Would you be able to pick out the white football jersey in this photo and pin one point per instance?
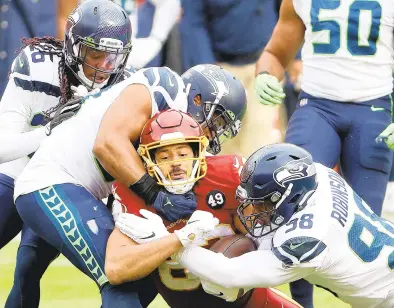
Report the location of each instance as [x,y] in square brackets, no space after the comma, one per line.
[66,156]
[348,48]
[343,246]
[33,87]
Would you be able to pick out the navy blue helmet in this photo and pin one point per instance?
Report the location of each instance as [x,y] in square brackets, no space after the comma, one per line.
[276,181]
[217,100]
[97,42]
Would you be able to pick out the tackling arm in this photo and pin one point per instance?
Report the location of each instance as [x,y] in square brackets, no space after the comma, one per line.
[121,125]
[259,268]
[126,260]
[284,44]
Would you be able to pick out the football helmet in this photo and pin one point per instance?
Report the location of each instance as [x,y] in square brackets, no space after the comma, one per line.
[217,100]
[276,181]
[97,37]
[167,128]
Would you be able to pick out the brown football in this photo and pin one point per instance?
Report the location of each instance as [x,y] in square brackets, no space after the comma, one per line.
[234,245]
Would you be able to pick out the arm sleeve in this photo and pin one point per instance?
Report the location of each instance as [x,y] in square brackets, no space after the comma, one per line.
[259,268]
[15,113]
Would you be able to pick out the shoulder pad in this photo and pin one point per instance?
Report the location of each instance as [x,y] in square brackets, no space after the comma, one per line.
[298,250]
[35,70]
[21,64]
[168,88]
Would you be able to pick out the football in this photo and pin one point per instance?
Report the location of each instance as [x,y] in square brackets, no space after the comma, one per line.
[234,245]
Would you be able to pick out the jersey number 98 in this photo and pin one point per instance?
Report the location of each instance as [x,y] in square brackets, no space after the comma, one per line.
[368,240]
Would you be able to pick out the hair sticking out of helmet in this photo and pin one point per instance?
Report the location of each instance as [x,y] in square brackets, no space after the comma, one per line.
[217,100]
[276,182]
[173,147]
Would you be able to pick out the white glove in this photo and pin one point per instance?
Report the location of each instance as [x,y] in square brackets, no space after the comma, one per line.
[144,229]
[229,295]
[198,227]
[268,89]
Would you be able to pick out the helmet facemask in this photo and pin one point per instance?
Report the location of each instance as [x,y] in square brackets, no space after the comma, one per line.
[220,125]
[260,216]
[178,175]
[101,61]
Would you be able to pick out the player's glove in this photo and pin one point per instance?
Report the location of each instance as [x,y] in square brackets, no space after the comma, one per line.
[228,294]
[198,228]
[268,89]
[68,110]
[144,229]
[175,207]
[387,136]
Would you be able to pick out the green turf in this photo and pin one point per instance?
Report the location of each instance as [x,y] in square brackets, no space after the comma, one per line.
[63,286]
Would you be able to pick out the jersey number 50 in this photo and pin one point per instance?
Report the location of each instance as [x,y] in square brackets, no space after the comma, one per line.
[354,45]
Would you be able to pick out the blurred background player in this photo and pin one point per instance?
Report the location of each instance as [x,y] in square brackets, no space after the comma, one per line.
[233,36]
[173,148]
[315,226]
[20,19]
[93,55]
[345,100]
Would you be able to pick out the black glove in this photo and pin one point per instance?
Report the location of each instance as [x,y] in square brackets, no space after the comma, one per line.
[68,110]
[175,207]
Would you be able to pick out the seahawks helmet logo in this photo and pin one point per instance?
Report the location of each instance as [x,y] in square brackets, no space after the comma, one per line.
[294,170]
[216,78]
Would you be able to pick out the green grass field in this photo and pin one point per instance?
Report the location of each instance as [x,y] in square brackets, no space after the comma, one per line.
[63,286]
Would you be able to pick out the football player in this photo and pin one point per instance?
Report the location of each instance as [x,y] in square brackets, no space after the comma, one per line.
[92,56]
[346,88]
[317,228]
[172,146]
[78,163]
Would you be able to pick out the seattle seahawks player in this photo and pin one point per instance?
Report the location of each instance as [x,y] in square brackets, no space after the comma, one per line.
[58,194]
[93,56]
[311,225]
[217,100]
[346,89]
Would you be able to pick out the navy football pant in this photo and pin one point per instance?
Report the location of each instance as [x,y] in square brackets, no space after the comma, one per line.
[78,225]
[346,132]
[10,222]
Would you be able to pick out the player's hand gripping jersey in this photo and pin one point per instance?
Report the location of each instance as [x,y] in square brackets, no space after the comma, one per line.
[215,193]
[348,49]
[66,156]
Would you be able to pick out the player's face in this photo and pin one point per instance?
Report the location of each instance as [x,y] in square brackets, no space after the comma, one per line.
[219,123]
[95,59]
[260,211]
[175,161]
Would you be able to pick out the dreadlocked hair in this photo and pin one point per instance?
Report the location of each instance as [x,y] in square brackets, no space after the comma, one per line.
[53,46]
